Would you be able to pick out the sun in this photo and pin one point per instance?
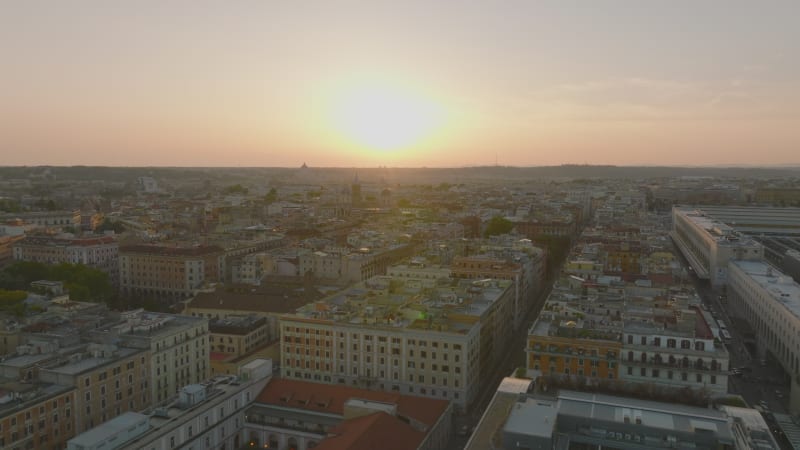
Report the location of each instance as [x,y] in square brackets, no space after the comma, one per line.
[385,118]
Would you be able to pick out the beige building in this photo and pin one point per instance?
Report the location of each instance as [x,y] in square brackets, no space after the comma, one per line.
[394,334]
[178,345]
[99,252]
[108,381]
[770,302]
[36,415]
[168,272]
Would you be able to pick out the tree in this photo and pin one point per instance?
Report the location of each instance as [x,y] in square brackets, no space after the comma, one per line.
[498,225]
[271,196]
[236,189]
[9,205]
[83,282]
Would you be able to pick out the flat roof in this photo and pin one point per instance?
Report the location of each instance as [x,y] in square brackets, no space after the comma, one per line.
[752,219]
[667,416]
[532,417]
[722,233]
[781,288]
[90,363]
[109,428]
[453,306]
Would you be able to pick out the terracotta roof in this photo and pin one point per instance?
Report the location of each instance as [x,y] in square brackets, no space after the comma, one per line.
[375,431]
[330,398]
[163,250]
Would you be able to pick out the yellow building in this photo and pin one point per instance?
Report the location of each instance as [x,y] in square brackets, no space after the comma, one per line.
[564,350]
[108,381]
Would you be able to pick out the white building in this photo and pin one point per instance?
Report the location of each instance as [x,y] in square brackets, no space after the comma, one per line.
[770,302]
[709,244]
[391,334]
[179,346]
[209,415]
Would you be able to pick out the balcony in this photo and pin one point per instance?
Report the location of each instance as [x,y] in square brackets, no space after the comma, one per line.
[676,364]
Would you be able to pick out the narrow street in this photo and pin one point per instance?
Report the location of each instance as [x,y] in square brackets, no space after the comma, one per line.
[515,357]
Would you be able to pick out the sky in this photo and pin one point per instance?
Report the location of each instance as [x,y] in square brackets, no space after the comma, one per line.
[399,83]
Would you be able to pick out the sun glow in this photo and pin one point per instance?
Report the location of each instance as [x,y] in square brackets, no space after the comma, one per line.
[385,118]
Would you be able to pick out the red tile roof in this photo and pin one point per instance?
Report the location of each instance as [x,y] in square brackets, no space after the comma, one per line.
[218,356]
[330,398]
[375,431]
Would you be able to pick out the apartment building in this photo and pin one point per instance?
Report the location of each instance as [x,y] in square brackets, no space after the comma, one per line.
[770,302]
[207,415]
[395,335]
[486,267]
[178,346]
[36,415]
[572,339]
[235,340]
[351,266]
[49,219]
[168,272]
[668,343]
[99,252]
[108,381]
[657,339]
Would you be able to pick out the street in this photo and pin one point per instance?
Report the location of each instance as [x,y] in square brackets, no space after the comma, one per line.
[515,357]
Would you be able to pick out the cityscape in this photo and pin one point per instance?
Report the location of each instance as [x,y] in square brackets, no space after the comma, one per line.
[458,308]
[410,225]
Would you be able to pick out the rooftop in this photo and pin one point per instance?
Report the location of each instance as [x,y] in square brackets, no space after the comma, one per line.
[109,429]
[90,363]
[451,306]
[782,288]
[372,432]
[24,395]
[328,398]
[273,299]
[162,250]
[666,416]
[722,233]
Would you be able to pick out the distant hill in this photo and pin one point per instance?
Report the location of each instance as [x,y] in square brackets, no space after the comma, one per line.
[395,175]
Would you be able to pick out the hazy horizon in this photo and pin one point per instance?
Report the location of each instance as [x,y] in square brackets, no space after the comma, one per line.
[403,85]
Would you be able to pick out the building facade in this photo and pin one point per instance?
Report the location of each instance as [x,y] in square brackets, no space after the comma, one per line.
[708,244]
[770,302]
[387,336]
[178,346]
[172,273]
[99,252]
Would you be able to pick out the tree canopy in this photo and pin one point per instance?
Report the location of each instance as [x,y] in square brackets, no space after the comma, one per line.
[498,225]
[84,283]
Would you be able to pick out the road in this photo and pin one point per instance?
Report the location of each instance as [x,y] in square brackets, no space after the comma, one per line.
[515,357]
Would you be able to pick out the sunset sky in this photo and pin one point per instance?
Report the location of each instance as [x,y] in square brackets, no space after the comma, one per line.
[400,83]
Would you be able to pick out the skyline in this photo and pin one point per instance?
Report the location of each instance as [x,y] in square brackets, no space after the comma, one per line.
[207,85]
